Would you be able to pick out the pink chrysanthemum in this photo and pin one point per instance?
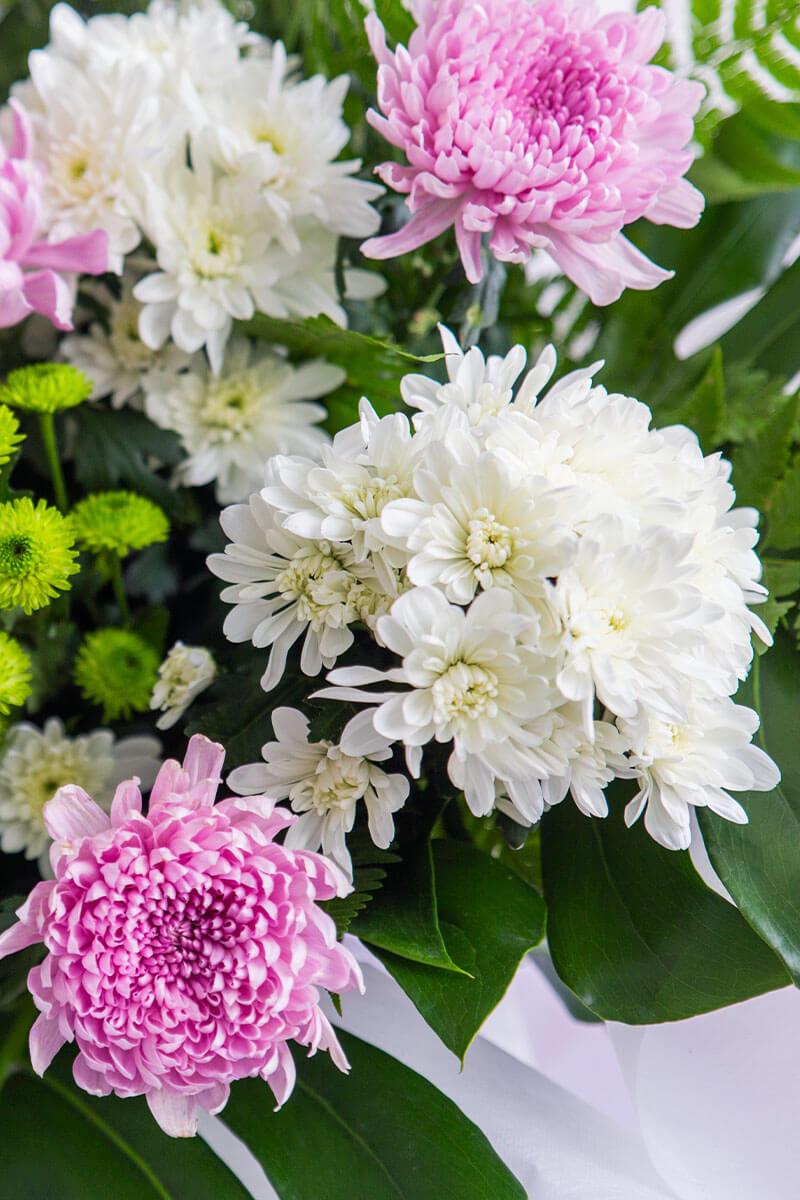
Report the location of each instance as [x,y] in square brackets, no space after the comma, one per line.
[186,947]
[31,268]
[536,125]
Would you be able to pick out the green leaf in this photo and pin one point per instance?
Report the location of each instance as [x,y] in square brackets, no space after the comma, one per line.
[759,863]
[471,890]
[396,20]
[369,873]
[781,576]
[14,969]
[374,368]
[124,449]
[758,465]
[236,711]
[59,1141]
[704,411]
[381,1133]
[767,335]
[403,917]
[634,931]
[783,521]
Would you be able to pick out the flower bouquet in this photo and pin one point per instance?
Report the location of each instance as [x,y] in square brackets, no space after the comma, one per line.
[399,580]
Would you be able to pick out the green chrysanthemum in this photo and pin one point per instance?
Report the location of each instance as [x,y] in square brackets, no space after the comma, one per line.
[15,675]
[10,436]
[119,522]
[36,554]
[116,669]
[45,387]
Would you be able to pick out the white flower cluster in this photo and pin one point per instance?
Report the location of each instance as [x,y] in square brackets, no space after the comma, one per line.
[183,675]
[180,129]
[565,592]
[35,763]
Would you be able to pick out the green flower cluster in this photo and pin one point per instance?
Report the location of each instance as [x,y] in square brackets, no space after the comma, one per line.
[37,554]
[118,522]
[116,669]
[45,388]
[15,674]
[10,436]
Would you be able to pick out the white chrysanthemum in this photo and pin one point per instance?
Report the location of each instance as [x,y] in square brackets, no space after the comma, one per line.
[342,497]
[284,587]
[633,620]
[231,423]
[183,675]
[472,525]
[287,134]
[191,49]
[113,355]
[96,134]
[472,678]
[480,388]
[325,785]
[694,763]
[35,763]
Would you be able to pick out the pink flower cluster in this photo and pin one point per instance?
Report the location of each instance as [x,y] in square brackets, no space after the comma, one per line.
[536,125]
[31,268]
[186,948]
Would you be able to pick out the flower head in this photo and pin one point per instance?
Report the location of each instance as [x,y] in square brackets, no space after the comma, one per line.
[231,423]
[15,674]
[204,990]
[36,554]
[116,669]
[536,125]
[33,259]
[325,785]
[45,387]
[183,675]
[118,522]
[10,436]
[35,763]
[694,763]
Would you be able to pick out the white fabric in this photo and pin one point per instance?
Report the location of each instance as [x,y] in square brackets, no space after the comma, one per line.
[696,1110]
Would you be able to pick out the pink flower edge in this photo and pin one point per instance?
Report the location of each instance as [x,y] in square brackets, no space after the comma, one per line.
[536,126]
[186,948]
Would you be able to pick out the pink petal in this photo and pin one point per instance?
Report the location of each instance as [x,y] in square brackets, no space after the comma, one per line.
[72,814]
[425,225]
[48,294]
[604,269]
[127,802]
[28,929]
[45,1042]
[87,253]
[175,1112]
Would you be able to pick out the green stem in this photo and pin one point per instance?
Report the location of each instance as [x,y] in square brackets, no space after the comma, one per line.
[115,571]
[48,430]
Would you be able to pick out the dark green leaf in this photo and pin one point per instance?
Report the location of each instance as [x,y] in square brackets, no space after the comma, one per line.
[403,917]
[98,1147]
[382,1133]
[236,711]
[369,873]
[704,411]
[374,368]
[635,932]
[124,449]
[767,336]
[396,20]
[14,969]
[759,464]
[783,522]
[471,890]
[759,863]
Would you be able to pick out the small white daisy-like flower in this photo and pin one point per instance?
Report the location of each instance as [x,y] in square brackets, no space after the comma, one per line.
[183,675]
[342,497]
[325,786]
[472,525]
[472,678]
[284,587]
[231,423]
[35,763]
[694,763]
[112,355]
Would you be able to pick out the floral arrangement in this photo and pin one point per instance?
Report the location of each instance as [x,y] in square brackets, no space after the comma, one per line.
[507,536]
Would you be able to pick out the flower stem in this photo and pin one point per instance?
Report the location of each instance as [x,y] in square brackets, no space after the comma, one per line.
[48,430]
[115,571]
